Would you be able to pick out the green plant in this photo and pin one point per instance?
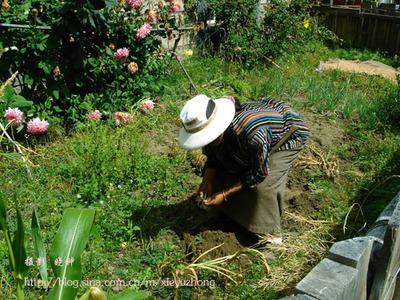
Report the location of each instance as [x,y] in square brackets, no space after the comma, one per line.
[76,57]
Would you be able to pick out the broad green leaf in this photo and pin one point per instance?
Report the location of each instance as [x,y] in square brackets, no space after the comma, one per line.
[38,245]
[68,245]
[28,80]
[19,101]
[95,232]
[8,93]
[18,246]
[111,3]
[56,94]
[3,215]
[129,294]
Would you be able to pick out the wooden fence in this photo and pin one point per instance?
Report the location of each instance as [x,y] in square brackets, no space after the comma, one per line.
[364,26]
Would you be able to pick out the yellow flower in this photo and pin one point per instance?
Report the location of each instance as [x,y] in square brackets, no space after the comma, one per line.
[123,245]
[306,23]
[188,53]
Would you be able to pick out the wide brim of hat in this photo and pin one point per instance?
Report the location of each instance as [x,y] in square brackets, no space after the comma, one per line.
[224,116]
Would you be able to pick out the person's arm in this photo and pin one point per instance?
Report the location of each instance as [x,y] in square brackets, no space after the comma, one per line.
[205,188]
[224,195]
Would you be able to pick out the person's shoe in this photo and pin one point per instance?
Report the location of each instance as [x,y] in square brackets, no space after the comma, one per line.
[270,238]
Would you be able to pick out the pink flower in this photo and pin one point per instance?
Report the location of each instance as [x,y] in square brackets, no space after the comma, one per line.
[289,37]
[157,99]
[121,53]
[134,3]
[143,31]
[151,16]
[291,23]
[175,6]
[122,117]
[146,106]
[238,49]
[37,126]
[15,116]
[133,67]
[231,98]
[94,115]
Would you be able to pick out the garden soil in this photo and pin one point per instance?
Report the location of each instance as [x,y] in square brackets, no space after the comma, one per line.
[369,67]
[201,230]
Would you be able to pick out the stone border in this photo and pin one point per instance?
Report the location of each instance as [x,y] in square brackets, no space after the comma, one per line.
[359,268]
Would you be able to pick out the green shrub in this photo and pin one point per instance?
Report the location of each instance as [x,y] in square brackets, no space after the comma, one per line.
[76,57]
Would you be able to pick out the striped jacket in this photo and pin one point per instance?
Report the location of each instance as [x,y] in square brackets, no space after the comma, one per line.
[254,131]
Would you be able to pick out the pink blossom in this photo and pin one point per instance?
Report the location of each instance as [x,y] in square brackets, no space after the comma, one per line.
[133,67]
[291,23]
[231,98]
[94,115]
[146,106]
[134,3]
[37,126]
[289,37]
[238,49]
[151,16]
[122,117]
[15,116]
[157,99]
[121,53]
[175,6]
[143,31]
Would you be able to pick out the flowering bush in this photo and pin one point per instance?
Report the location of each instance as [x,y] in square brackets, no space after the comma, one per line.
[89,56]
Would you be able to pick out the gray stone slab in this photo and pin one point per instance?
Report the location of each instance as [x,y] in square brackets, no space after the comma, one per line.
[352,252]
[329,280]
[355,253]
[298,297]
[378,229]
[389,261]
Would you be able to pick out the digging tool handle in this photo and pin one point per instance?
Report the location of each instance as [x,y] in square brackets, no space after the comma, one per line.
[284,139]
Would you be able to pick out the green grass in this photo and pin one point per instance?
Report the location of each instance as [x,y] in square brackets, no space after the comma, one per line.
[136,176]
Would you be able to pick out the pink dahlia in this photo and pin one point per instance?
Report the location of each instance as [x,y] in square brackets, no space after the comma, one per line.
[122,118]
[94,115]
[15,116]
[134,3]
[121,53]
[146,105]
[143,31]
[133,67]
[37,126]
[175,6]
[151,16]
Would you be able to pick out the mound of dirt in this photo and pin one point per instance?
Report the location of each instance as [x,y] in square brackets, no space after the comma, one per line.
[369,67]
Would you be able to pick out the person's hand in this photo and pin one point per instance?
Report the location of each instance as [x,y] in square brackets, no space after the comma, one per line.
[215,199]
[205,189]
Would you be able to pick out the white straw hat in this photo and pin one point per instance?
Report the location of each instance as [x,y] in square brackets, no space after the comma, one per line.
[204,120]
